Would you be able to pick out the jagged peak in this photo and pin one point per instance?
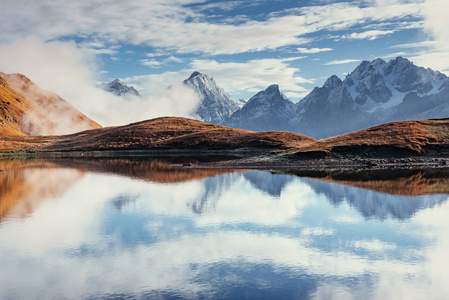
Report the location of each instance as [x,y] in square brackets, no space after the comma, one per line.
[332,82]
[378,61]
[116,81]
[195,74]
[401,60]
[272,88]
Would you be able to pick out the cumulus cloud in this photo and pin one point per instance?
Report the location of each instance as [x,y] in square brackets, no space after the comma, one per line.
[66,69]
[436,24]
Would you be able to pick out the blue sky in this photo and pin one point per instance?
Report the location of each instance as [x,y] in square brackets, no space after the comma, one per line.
[244,45]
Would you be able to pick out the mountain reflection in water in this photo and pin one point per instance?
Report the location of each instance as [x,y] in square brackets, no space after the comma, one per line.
[143,228]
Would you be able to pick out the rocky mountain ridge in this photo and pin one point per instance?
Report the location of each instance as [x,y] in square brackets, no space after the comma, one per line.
[215,104]
[375,92]
[118,88]
[267,110]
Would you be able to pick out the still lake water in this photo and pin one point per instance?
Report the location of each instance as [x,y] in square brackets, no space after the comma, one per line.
[142,229]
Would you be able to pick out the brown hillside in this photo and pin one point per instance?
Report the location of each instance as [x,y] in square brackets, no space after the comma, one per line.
[404,138]
[26,109]
[168,133]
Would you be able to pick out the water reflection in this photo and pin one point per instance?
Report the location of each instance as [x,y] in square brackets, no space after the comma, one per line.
[23,185]
[144,229]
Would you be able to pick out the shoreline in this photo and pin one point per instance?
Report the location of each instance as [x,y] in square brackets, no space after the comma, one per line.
[244,159]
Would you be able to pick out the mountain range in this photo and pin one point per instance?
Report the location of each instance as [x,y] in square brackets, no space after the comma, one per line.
[375,92]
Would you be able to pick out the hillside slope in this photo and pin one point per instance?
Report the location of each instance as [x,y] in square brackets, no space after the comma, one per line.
[26,109]
[395,139]
[167,133]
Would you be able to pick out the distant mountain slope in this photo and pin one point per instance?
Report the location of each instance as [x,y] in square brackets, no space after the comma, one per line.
[375,92]
[26,109]
[118,88]
[267,110]
[215,103]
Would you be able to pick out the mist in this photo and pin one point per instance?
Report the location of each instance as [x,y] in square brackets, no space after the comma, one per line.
[72,73]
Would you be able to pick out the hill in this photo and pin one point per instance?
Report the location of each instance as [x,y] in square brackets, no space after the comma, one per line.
[167,133]
[26,109]
[403,143]
[394,139]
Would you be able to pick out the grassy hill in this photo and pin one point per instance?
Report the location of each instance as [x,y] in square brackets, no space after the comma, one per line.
[395,139]
[167,133]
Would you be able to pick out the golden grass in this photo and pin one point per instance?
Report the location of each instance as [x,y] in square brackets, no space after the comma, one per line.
[167,133]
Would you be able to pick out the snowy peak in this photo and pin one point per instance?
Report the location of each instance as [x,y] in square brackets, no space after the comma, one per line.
[375,92]
[273,89]
[267,110]
[332,82]
[118,88]
[270,96]
[194,74]
[215,103]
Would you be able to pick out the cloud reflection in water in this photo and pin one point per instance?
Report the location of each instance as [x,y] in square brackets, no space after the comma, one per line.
[229,235]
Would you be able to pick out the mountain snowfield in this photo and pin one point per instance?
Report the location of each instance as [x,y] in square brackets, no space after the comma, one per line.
[375,92]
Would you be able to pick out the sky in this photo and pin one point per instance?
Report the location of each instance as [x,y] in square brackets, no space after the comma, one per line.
[69,46]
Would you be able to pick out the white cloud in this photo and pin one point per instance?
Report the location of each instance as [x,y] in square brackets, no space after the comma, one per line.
[370,34]
[234,77]
[436,24]
[313,50]
[153,63]
[167,24]
[421,44]
[68,70]
[253,75]
[341,62]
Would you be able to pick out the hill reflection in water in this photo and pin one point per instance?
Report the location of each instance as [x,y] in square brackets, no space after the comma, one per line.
[143,228]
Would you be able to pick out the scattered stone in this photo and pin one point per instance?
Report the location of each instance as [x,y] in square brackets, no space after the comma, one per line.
[372,163]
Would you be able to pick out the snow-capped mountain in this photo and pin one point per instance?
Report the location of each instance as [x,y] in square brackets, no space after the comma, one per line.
[375,92]
[328,111]
[119,88]
[267,110]
[215,104]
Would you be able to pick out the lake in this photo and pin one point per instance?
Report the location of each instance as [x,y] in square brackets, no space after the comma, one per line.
[145,229]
